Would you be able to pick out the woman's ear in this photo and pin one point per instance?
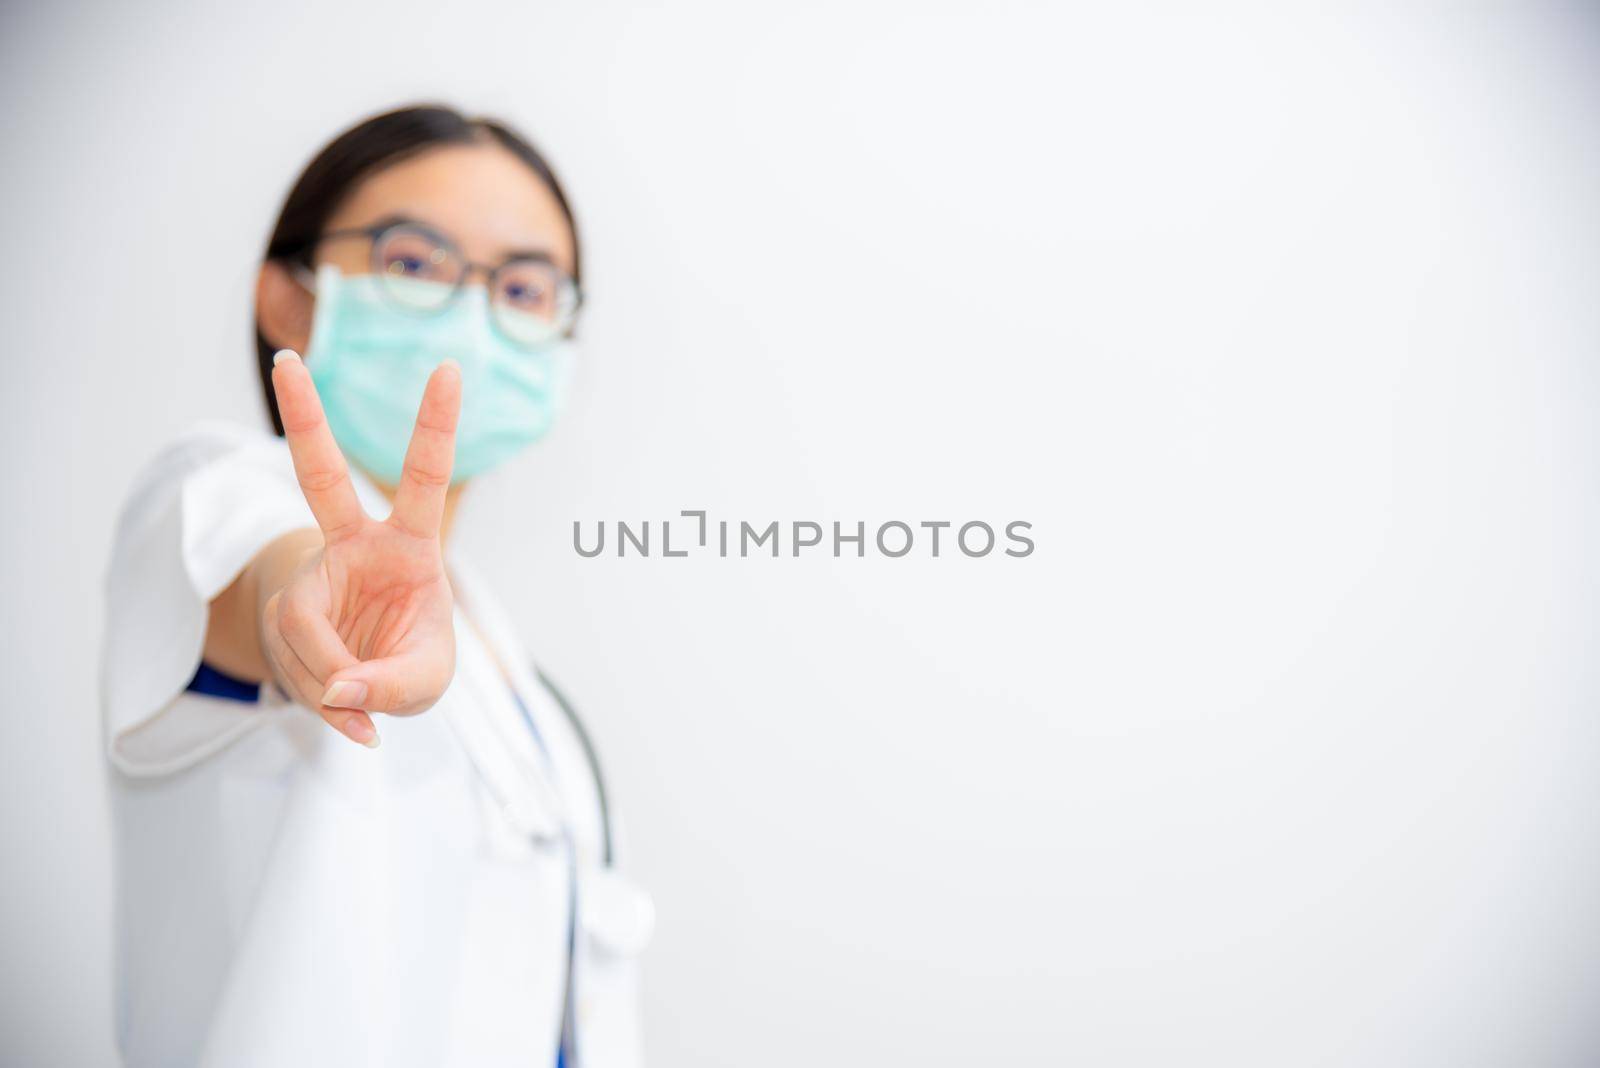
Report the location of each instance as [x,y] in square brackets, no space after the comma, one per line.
[283,308]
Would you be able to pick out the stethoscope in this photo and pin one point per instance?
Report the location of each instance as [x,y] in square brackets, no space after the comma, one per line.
[567,1053]
[589,755]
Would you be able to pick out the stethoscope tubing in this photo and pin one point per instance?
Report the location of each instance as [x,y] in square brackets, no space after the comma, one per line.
[568,1055]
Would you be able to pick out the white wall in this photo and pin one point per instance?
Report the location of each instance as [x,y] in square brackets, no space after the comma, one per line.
[1281,749]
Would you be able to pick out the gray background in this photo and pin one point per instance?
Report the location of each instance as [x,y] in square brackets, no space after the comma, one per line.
[1282,747]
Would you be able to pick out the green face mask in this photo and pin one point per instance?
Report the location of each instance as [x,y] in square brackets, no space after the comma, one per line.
[370,360]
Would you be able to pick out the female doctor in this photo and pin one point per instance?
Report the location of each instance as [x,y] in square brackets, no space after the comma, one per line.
[290,892]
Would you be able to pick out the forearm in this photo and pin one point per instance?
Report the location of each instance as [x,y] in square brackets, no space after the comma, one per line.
[233,634]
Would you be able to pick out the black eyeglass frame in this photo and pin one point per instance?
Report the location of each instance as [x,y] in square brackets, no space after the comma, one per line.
[491,272]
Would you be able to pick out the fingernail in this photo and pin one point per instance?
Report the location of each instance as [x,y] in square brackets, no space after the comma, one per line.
[346,694]
[360,730]
[450,361]
[284,354]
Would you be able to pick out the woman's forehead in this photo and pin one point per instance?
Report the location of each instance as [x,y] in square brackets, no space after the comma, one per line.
[482,196]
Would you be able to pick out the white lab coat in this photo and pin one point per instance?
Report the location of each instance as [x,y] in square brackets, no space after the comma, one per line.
[286,897]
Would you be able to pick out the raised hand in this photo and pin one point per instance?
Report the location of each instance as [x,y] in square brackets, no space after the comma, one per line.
[365,622]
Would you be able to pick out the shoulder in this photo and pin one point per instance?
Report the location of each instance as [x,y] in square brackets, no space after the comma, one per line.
[213,477]
[203,442]
[195,448]
[158,482]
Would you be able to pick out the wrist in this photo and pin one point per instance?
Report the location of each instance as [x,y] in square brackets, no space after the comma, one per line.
[275,565]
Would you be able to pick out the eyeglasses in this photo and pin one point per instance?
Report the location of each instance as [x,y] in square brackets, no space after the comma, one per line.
[531,300]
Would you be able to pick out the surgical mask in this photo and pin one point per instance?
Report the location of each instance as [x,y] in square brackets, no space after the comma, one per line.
[370,360]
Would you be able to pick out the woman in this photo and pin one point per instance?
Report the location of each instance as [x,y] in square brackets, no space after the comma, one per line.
[290,893]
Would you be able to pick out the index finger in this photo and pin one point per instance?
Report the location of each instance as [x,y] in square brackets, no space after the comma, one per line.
[318,464]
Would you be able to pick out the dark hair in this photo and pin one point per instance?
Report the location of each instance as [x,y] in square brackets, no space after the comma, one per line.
[362,150]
